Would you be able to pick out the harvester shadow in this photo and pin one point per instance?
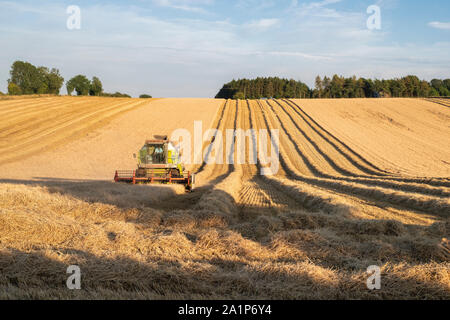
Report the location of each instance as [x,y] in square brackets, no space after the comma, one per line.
[384,240]
[34,275]
[221,275]
[189,200]
[105,192]
[158,196]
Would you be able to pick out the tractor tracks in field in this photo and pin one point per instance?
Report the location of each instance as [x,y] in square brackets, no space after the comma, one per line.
[319,173]
[302,195]
[339,146]
[23,110]
[347,151]
[209,176]
[236,189]
[218,126]
[264,193]
[11,106]
[223,192]
[396,183]
[257,195]
[227,120]
[362,188]
[40,120]
[442,101]
[55,129]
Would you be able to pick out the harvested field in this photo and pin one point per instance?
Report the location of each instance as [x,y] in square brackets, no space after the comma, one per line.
[444,101]
[73,124]
[361,182]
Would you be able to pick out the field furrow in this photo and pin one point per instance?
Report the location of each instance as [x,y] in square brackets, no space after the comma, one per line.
[28,125]
[442,101]
[334,160]
[414,201]
[354,158]
[360,182]
[415,187]
[218,172]
[65,128]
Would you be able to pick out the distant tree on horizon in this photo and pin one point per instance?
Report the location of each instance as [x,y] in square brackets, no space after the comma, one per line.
[239,95]
[52,79]
[116,95]
[14,89]
[96,87]
[80,84]
[263,88]
[34,80]
[335,87]
[441,87]
[319,86]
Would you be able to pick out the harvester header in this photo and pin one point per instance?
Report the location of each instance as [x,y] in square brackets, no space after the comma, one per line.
[159,161]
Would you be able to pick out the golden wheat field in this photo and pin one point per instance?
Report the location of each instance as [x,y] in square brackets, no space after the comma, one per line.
[361,182]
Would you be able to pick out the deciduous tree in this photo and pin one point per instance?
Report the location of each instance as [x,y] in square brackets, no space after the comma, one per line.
[14,89]
[96,88]
[80,84]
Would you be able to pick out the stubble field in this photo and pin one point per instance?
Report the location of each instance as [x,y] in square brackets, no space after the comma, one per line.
[361,182]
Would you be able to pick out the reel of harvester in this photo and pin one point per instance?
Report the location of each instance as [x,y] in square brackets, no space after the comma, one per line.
[158,162]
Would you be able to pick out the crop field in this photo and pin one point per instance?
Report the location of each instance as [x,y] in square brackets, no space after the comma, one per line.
[30,126]
[361,182]
[445,101]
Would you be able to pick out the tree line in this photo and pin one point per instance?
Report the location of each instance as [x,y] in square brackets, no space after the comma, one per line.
[27,79]
[335,87]
[264,88]
[410,87]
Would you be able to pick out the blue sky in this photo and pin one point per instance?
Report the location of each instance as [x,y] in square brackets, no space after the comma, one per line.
[189,48]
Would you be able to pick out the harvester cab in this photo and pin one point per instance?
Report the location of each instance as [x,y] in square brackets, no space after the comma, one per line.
[159,161]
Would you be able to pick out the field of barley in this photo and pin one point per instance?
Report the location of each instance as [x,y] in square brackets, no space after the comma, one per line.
[361,182]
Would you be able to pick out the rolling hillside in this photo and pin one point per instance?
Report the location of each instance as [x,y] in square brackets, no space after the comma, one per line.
[361,182]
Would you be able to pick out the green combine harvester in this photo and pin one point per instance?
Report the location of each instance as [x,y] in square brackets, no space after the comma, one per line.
[159,161]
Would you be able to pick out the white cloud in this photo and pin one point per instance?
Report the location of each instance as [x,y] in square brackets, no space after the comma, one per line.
[317,9]
[14,6]
[134,50]
[255,5]
[262,23]
[184,5]
[298,54]
[440,25]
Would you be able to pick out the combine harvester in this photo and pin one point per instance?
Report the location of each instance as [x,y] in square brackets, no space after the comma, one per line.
[158,162]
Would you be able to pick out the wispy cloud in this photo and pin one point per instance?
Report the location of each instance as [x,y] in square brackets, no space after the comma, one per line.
[314,57]
[318,9]
[255,4]
[14,6]
[440,25]
[196,45]
[262,24]
[184,5]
